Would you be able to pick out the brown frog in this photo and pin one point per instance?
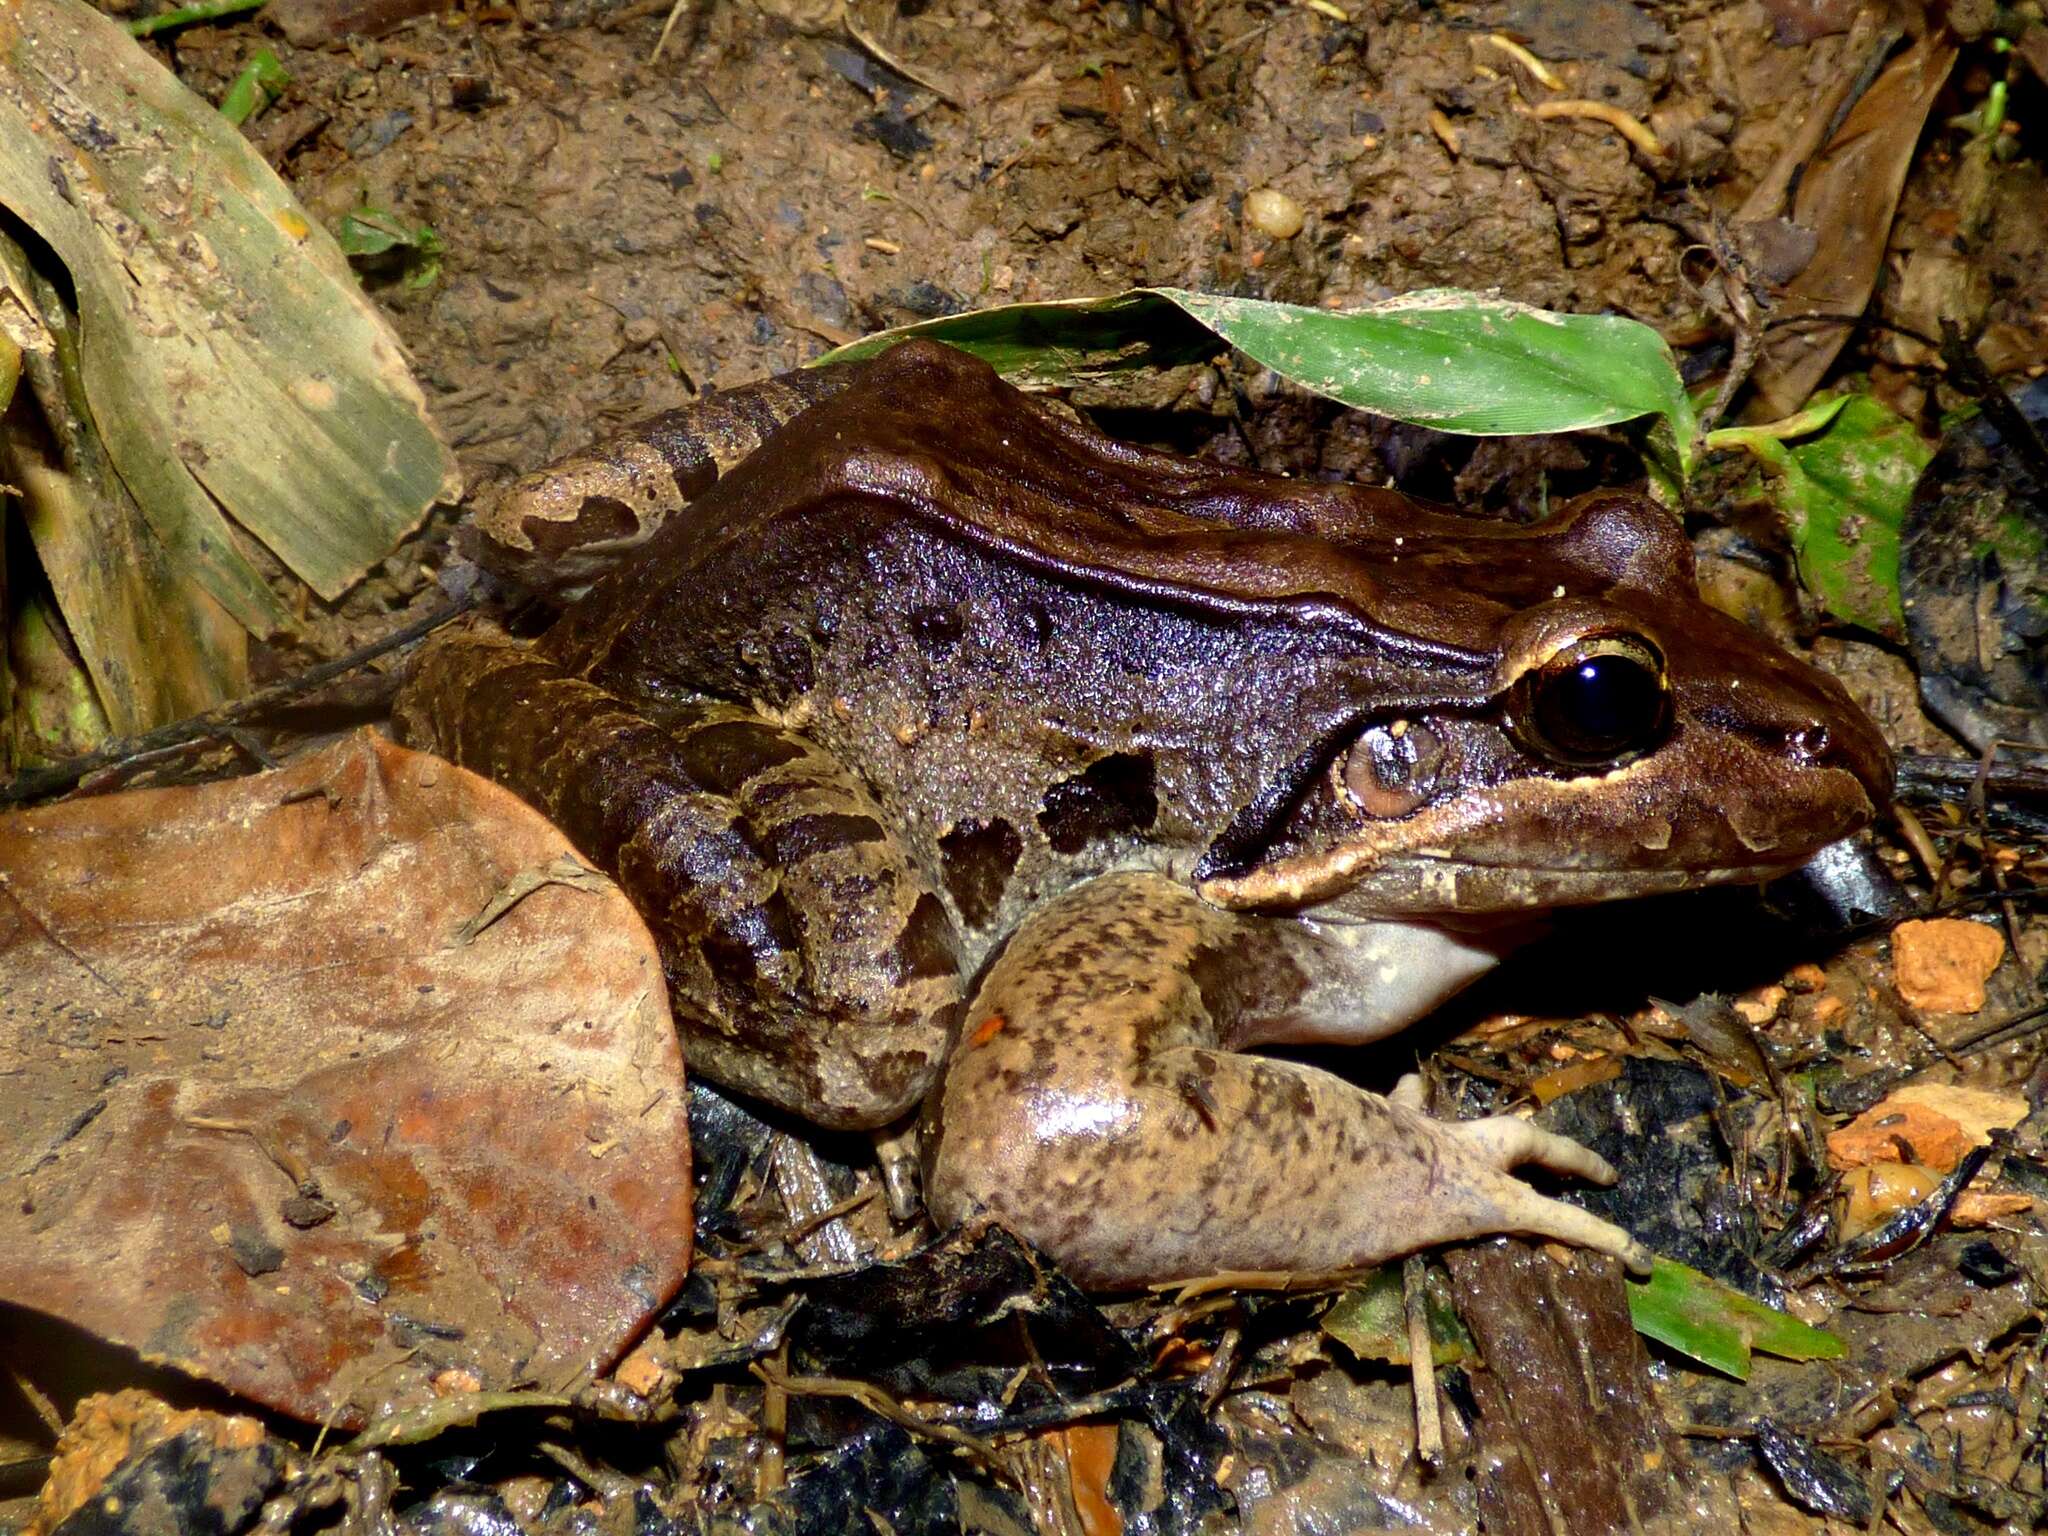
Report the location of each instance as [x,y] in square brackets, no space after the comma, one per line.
[962,757]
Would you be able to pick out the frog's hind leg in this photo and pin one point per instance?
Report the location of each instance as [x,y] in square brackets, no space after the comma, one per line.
[809,963]
[1097,1103]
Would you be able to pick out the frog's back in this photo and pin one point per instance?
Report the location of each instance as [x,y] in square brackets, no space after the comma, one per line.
[931,480]
[1057,649]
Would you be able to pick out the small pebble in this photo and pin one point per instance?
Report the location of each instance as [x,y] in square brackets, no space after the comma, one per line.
[1274,213]
[1941,964]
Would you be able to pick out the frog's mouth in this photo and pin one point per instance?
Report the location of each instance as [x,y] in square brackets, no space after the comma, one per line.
[1645,828]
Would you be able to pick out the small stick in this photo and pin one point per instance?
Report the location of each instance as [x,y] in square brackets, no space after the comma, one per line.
[186,15]
[1429,1424]
[40,783]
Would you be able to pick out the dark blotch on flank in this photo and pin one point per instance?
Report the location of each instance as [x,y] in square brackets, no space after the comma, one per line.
[807,836]
[1111,797]
[926,943]
[739,948]
[980,857]
[673,435]
[721,758]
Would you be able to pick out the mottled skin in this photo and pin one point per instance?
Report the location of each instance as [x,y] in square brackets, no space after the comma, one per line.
[1147,1145]
[946,720]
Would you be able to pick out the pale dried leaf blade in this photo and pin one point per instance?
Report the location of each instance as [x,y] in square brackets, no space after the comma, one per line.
[225,337]
[156,644]
[157,647]
[259,1118]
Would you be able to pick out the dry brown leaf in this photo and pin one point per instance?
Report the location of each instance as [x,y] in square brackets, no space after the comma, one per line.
[1847,195]
[1976,1208]
[266,1116]
[1979,1111]
[121,1451]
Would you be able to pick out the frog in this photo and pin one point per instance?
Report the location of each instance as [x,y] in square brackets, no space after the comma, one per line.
[981,773]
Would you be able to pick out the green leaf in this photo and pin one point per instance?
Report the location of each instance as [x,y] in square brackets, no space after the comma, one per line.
[1461,362]
[1844,490]
[373,230]
[1371,1320]
[261,82]
[1717,1325]
[1060,342]
[371,233]
[1458,362]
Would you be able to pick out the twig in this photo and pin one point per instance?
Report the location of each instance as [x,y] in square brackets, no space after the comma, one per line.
[186,15]
[1429,1424]
[40,783]
[882,1405]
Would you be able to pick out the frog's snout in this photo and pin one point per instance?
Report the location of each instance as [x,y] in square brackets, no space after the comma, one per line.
[1850,741]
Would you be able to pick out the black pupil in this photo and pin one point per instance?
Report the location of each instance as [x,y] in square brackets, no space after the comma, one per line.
[1600,707]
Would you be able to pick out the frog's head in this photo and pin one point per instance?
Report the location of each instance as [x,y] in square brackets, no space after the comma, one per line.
[1581,727]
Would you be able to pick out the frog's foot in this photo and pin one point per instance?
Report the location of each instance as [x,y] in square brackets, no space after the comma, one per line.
[1504,1142]
[1509,1141]
[1095,1105]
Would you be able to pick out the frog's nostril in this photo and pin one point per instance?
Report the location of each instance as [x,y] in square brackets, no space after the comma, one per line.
[1852,743]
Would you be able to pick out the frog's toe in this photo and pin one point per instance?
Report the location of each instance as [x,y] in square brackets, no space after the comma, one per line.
[1409,1093]
[1567,1223]
[1508,1141]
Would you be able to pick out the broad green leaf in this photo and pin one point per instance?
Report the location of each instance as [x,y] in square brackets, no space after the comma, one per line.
[1458,362]
[1371,1320]
[229,354]
[1060,342]
[370,232]
[1844,490]
[1717,1325]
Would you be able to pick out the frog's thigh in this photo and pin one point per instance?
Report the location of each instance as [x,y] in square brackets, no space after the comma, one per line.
[1092,1104]
[808,962]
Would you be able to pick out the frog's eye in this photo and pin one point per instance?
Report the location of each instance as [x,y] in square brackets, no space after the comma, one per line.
[1599,700]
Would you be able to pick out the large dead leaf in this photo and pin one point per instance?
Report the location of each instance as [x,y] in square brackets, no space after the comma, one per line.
[228,352]
[1847,195]
[276,1107]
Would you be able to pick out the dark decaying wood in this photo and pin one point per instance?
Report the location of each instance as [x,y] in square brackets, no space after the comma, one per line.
[1575,1438]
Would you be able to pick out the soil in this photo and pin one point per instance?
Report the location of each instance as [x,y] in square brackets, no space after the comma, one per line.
[620,232]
